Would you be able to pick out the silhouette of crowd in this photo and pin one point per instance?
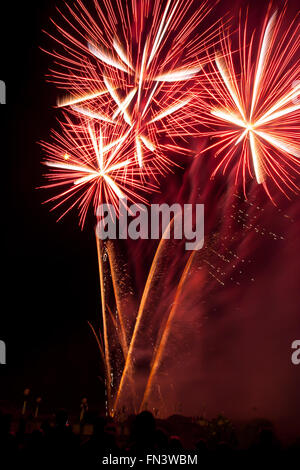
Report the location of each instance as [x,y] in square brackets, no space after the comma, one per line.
[55,442]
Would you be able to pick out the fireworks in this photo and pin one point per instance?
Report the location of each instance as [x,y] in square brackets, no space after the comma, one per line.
[255,104]
[131,61]
[94,167]
[128,68]
[132,73]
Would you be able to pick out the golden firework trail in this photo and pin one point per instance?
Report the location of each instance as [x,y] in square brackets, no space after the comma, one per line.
[160,349]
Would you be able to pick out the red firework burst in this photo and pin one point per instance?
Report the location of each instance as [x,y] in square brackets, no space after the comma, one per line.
[255,104]
[93,164]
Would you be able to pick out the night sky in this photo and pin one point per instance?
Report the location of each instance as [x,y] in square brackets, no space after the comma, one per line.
[50,275]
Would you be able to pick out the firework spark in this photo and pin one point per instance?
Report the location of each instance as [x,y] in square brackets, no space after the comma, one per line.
[92,167]
[132,61]
[255,103]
